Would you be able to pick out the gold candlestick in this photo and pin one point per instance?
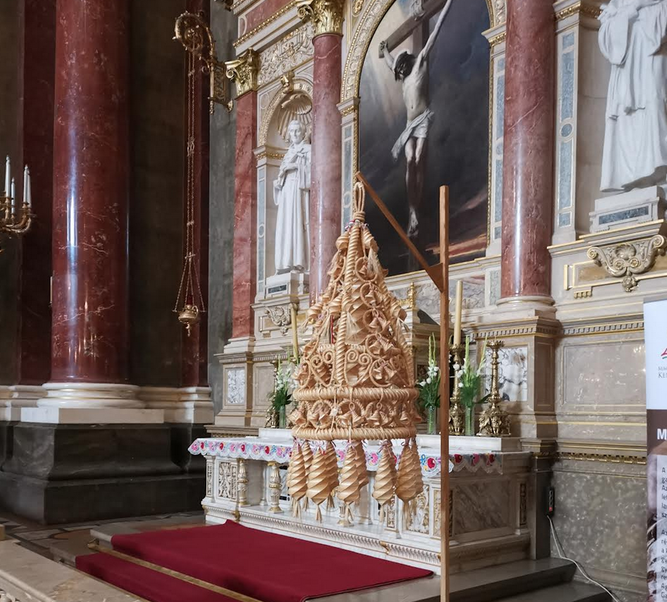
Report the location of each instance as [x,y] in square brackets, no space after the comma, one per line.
[494,421]
[456,411]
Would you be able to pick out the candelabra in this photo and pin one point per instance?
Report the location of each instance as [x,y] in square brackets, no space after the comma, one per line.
[494,421]
[456,411]
[13,219]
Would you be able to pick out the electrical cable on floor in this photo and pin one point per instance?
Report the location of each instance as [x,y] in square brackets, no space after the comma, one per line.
[562,556]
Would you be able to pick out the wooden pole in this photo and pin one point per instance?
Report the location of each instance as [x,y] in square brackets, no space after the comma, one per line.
[444,395]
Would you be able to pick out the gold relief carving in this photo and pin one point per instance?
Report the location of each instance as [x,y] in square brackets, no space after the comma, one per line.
[625,260]
[326,15]
[227,481]
[349,110]
[498,39]
[390,512]
[243,72]
[281,316]
[358,5]
[209,477]
[419,522]
[579,7]
[607,458]
[287,54]
[437,513]
[583,294]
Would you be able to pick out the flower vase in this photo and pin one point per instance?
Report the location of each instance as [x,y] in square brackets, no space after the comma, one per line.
[282,417]
[431,424]
[470,421]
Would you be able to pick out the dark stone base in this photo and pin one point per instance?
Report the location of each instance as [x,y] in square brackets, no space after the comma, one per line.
[73,473]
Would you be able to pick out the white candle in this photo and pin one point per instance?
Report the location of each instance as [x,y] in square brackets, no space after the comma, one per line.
[12,194]
[459,310]
[27,193]
[8,176]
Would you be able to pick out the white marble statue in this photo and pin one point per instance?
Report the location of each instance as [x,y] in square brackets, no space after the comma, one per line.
[291,192]
[632,35]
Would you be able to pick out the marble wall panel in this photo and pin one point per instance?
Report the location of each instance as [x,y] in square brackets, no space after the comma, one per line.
[513,373]
[157,126]
[221,228]
[263,382]
[600,519]
[602,374]
[9,258]
[480,506]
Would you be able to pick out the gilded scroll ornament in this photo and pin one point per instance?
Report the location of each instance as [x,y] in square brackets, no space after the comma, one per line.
[243,71]
[281,316]
[197,39]
[326,15]
[628,259]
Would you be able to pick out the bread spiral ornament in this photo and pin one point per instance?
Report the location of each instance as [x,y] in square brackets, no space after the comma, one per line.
[297,482]
[385,478]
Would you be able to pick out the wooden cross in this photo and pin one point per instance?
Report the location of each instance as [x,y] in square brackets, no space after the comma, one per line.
[440,275]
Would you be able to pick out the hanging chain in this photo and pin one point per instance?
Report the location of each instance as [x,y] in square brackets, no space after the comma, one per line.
[190,297]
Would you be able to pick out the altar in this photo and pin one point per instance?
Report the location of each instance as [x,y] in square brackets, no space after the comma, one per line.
[491,500]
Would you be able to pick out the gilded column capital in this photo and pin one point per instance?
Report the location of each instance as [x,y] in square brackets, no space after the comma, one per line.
[243,71]
[326,15]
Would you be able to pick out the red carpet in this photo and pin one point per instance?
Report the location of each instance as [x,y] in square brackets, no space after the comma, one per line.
[266,566]
[144,582]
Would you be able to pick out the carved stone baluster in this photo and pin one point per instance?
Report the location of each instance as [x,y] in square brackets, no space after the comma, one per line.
[275,487]
[243,483]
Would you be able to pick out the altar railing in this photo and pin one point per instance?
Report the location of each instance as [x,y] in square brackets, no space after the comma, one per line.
[490,502]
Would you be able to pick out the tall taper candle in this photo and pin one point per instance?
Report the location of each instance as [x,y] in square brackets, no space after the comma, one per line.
[27,191]
[8,176]
[459,310]
[12,194]
[295,336]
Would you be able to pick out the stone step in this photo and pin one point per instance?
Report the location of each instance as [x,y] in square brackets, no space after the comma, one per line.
[497,582]
[565,592]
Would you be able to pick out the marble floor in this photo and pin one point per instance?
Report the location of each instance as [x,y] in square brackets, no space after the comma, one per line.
[69,540]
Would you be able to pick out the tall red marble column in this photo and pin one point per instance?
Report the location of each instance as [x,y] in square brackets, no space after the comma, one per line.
[244,74]
[325,193]
[90,204]
[528,153]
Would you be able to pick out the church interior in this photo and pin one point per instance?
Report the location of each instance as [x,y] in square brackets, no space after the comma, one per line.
[339,300]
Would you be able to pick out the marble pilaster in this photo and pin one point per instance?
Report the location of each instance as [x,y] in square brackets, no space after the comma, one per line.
[325,196]
[326,187]
[245,216]
[528,150]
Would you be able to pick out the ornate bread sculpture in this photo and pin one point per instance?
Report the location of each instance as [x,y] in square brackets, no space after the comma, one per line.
[356,376]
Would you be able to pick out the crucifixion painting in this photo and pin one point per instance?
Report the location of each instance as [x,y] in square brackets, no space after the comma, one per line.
[413,73]
[424,90]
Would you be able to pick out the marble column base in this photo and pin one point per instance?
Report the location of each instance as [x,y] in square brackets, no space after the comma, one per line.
[88,403]
[16,397]
[187,405]
[73,473]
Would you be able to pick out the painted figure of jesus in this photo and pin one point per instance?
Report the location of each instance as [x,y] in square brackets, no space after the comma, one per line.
[412,72]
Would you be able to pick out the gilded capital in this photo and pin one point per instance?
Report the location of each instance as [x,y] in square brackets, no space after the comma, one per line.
[326,15]
[243,71]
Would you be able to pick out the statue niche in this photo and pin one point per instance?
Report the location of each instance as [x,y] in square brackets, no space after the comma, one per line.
[291,191]
[291,194]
